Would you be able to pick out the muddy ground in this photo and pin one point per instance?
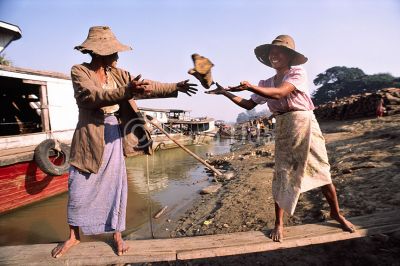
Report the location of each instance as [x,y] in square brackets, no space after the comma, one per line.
[365,166]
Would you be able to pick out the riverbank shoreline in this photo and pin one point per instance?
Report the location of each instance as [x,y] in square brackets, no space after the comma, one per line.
[365,161]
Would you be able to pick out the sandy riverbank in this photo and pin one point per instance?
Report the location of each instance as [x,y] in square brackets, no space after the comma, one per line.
[365,165]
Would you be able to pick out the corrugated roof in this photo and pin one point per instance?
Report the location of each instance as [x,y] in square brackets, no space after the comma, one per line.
[34,72]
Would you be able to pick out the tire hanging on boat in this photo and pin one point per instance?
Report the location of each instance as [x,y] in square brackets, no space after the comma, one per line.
[49,148]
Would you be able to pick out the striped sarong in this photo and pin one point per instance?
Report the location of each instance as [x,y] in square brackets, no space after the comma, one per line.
[301,161]
[97,202]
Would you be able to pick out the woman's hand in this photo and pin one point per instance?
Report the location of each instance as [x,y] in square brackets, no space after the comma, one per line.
[140,87]
[186,87]
[217,91]
[244,85]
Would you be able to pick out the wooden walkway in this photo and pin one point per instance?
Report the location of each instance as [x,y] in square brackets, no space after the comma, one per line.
[99,253]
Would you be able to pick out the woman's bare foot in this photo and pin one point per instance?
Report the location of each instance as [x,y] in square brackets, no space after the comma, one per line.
[277,233]
[62,248]
[120,245]
[346,225]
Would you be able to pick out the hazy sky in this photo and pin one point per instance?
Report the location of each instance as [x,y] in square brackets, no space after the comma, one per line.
[164,34]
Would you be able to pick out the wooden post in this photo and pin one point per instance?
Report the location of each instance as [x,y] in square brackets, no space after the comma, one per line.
[44,107]
[44,102]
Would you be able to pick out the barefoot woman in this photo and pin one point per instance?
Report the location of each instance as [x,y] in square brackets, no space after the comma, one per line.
[105,94]
[301,161]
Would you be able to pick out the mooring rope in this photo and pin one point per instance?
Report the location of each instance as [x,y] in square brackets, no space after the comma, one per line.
[148,197]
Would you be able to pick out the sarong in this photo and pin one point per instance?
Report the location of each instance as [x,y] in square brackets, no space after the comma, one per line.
[97,202]
[301,160]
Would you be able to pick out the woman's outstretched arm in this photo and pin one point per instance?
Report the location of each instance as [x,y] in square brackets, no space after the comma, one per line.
[268,92]
[244,103]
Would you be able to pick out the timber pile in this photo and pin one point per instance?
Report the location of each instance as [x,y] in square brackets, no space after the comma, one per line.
[361,105]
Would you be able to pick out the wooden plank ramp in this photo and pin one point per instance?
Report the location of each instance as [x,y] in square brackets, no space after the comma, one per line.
[172,249]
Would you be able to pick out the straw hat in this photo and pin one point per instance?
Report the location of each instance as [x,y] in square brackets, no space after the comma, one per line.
[285,41]
[101,41]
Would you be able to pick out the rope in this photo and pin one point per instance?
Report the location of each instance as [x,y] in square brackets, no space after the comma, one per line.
[148,197]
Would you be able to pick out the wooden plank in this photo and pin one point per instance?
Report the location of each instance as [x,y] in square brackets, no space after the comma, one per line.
[34,72]
[34,82]
[99,253]
[201,242]
[18,158]
[15,151]
[16,155]
[91,253]
[329,227]
[304,235]
[268,245]
[44,107]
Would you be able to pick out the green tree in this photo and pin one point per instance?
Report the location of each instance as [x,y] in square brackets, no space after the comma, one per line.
[376,81]
[249,115]
[241,117]
[339,82]
[4,61]
[338,74]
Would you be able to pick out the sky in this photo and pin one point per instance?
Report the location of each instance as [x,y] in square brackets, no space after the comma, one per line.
[164,35]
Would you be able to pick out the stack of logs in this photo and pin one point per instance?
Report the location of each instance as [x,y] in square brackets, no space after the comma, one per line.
[361,105]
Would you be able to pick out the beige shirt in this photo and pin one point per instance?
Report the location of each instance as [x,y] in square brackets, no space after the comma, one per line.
[88,143]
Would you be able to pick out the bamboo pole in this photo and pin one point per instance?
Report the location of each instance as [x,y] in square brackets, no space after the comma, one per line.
[150,119]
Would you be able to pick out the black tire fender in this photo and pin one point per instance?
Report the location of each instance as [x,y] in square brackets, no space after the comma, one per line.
[50,147]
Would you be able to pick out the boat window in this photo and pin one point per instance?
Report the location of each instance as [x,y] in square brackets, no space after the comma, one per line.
[20,107]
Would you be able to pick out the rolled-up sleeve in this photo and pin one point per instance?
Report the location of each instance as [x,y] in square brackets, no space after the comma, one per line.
[159,90]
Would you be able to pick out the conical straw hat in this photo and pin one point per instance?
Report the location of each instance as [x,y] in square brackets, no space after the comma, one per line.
[101,41]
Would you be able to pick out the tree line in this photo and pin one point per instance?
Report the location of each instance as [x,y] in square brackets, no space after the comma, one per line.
[340,81]
[4,61]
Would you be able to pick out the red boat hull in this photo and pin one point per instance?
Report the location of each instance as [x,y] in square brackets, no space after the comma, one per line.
[24,183]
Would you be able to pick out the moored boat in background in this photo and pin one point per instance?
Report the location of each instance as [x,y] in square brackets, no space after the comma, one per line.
[180,126]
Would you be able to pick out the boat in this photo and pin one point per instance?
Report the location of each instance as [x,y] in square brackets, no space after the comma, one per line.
[180,126]
[36,126]
[37,121]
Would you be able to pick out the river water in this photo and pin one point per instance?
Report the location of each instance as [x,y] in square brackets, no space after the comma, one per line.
[174,181]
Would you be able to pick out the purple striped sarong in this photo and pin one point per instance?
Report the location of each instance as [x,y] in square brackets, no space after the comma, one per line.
[97,202]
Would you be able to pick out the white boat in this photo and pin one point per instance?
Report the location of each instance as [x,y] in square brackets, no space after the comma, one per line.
[180,126]
[37,108]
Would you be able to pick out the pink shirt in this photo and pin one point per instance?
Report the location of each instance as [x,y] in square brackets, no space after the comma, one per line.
[298,100]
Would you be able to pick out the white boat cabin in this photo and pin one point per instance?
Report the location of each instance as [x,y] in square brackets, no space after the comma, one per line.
[179,121]
[35,106]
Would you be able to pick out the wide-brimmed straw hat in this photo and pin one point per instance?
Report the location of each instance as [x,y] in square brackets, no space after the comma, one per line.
[101,41]
[284,41]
